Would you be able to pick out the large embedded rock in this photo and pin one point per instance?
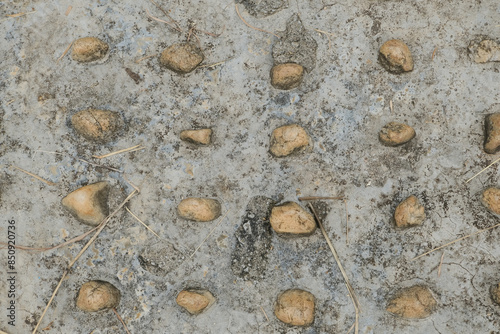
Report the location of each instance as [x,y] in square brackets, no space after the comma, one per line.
[492,133]
[97,295]
[295,307]
[491,199]
[181,58]
[199,137]
[88,204]
[199,209]
[97,125]
[395,56]
[195,301]
[409,213]
[290,219]
[416,302]
[88,49]
[287,76]
[495,293]
[484,51]
[288,139]
[395,134]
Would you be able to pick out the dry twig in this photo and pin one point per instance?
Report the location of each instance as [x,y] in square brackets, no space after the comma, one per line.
[163,21]
[20,14]
[141,59]
[83,160]
[440,265]
[177,27]
[434,53]
[209,234]
[265,314]
[350,290]
[121,320]
[313,198]
[130,149]
[494,162]
[140,221]
[221,62]
[248,25]
[65,52]
[68,10]
[34,175]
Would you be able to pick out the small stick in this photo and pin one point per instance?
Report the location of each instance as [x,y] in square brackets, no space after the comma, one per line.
[221,62]
[11,101]
[346,224]
[83,160]
[211,34]
[241,17]
[140,221]
[130,149]
[456,240]
[140,59]
[65,52]
[440,264]
[264,313]
[327,34]
[313,198]
[350,329]
[49,326]
[20,14]
[209,234]
[101,226]
[121,320]
[168,16]
[35,176]
[494,162]
[350,290]
[434,53]
[68,10]
[390,105]
[160,20]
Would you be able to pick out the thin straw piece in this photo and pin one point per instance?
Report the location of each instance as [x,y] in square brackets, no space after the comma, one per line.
[209,234]
[494,162]
[140,221]
[34,175]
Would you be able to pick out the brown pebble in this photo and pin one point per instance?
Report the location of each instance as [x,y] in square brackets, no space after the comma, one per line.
[88,204]
[409,213]
[295,307]
[97,125]
[181,58]
[97,295]
[492,133]
[395,57]
[290,219]
[484,51]
[415,302]
[200,137]
[288,139]
[199,209]
[195,301]
[287,76]
[89,49]
[395,134]
[495,293]
[491,199]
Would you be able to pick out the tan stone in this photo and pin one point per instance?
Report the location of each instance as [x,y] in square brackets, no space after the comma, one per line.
[415,302]
[195,301]
[395,57]
[290,219]
[484,51]
[491,199]
[394,134]
[295,307]
[288,139]
[181,58]
[492,133]
[88,204]
[97,125]
[200,137]
[89,49]
[287,76]
[495,293]
[97,295]
[409,213]
[199,209]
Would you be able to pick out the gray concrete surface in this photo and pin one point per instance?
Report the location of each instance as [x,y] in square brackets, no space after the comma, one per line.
[343,102]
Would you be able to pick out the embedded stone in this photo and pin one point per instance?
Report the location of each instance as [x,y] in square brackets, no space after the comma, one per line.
[287,76]
[200,137]
[295,307]
[88,49]
[290,219]
[492,133]
[484,51]
[199,209]
[416,302]
[395,134]
[491,199]
[409,213]
[495,293]
[97,125]
[181,58]
[97,295]
[395,57]
[195,301]
[88,204]
[288,139]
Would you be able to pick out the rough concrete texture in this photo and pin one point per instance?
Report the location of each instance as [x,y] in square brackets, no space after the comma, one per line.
[343,103]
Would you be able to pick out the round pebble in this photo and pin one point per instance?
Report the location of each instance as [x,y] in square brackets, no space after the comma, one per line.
[290,219]
[97,125]
[199,209]
[97,295]
[181,58]
[395,134]
[409,213]
[288,139]
[416,302]
[88,49]
[491,199]
[395,57]
[287,76]
[199,137]
[195,301]
[492,133]
[295,307]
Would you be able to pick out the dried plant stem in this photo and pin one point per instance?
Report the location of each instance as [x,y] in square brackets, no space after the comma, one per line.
[265,314]
[346,224]
[434,53]
[141,59]
[20,14]
[219,63]
[121,320]
[140,221]
[440,265]
[68,10]
[456,240]
[163,21]
[34,175]
[209,234]
[248,25]
[129,149]
[65,52]
[177,27]
[494,162]
[83,160]
[350,290]
[313,198]
[101,226]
